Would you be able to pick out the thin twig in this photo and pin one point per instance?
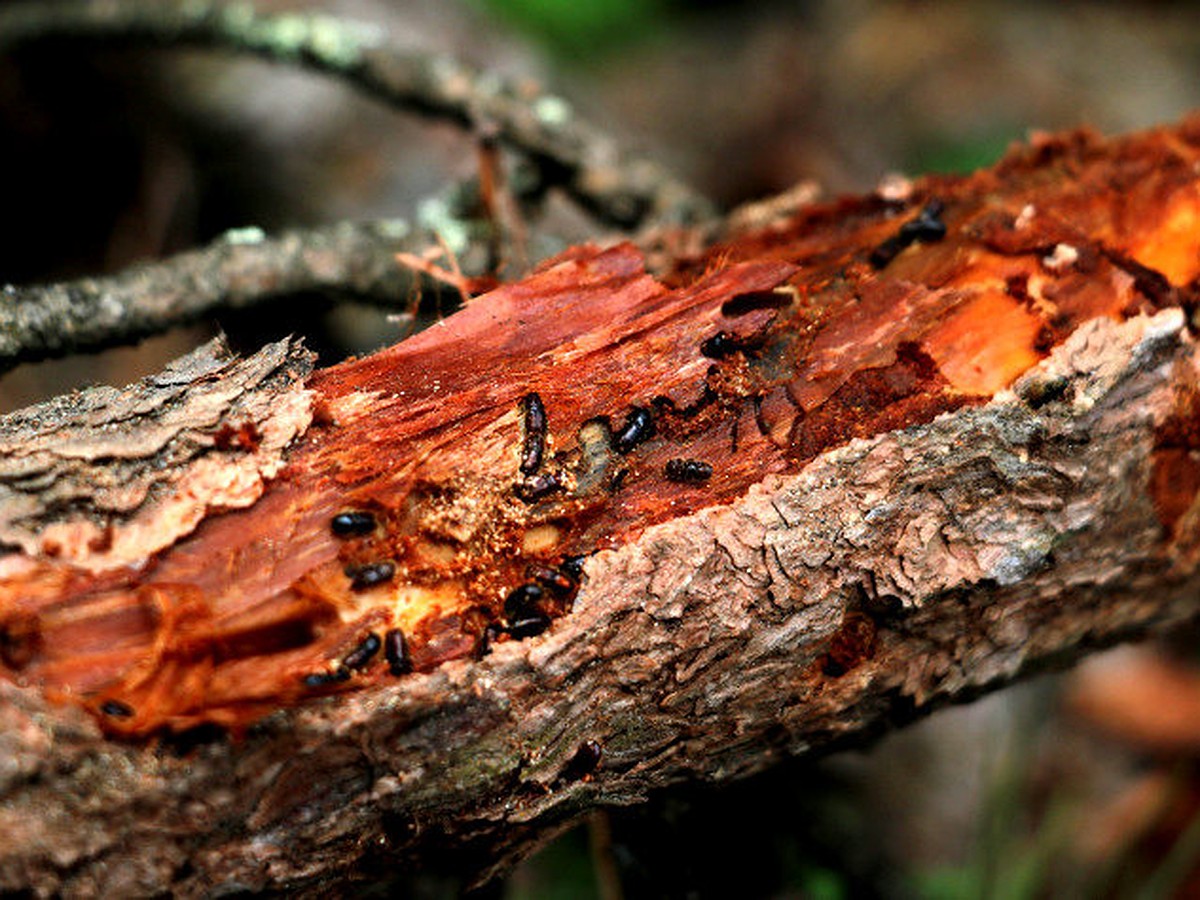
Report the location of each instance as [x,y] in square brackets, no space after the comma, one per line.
[615,187]
[242,267]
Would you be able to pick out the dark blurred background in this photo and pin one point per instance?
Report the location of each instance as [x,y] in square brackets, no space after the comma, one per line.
[1077,786]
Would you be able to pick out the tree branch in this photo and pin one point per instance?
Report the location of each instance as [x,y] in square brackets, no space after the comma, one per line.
[883,455]
[616,187]
[242,267]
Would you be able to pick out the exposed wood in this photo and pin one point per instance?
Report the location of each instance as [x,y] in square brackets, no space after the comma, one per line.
[951,436]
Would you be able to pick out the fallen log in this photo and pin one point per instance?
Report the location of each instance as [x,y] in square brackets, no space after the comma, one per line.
[264,627]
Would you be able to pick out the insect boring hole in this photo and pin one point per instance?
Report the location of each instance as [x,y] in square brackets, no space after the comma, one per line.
[925,228]
[752,301]
[852,644]
[20,641]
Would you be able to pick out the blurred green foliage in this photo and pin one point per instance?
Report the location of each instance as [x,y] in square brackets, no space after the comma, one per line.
[953,154]
[581,30]
[563,870]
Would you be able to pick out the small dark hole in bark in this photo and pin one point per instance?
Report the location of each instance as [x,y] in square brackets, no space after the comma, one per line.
[754,300]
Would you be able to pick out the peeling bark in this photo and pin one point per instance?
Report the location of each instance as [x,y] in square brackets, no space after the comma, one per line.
[106,478]
[935,467]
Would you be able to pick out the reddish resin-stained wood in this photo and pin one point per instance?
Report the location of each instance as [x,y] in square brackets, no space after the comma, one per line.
[848,320]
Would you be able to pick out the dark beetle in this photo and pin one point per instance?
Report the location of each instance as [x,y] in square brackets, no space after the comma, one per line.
[585,761]
[535,434]
[638,428]
[371,575]
[720,345]
[352,523]
[363,653]
[529,626]
[322,679]
[522,601]
[558,582]
[534,487]
[926,227]
[688,471]
[572,566]
[116,709]
[395,651]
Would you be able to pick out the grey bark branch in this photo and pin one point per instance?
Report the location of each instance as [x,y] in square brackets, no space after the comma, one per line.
[240,268]
[617,187]
[958,555]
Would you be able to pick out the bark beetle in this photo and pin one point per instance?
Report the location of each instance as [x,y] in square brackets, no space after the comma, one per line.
[934,468]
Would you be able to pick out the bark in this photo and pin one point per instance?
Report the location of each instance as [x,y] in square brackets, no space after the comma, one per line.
[951,436]
[241,268]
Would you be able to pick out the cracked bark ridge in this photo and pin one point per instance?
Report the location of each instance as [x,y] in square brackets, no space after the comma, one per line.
[108,477]
[889,575]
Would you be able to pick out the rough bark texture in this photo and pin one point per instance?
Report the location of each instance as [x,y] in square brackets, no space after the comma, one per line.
[242,267]
[953,438]
[106,477]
